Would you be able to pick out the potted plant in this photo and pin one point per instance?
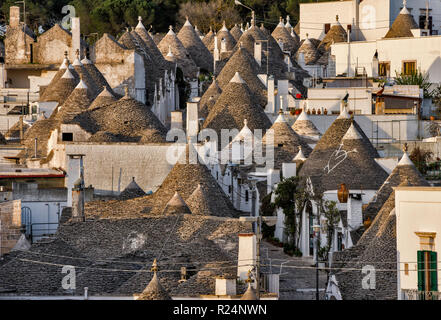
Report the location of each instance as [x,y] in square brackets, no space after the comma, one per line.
[319,111]
[313,110]
[298,111]
[308,112]
[325,111]
[292,112]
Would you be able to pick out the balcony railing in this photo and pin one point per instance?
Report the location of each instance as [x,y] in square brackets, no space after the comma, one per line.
[413,294]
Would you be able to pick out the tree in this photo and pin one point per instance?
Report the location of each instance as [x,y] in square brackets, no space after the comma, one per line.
[420,157]
[210,14]
[332,218]
[291,197]
[415,78]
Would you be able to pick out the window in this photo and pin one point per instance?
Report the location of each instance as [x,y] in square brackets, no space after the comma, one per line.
[327,27]
[384,69]
[246,196]
[427,270]
[409,67]
[67,136]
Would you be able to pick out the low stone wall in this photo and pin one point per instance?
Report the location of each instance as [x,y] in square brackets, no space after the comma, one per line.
[10,222]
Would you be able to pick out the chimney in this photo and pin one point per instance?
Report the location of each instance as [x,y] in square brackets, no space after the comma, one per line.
[14,16]
[75,171]
[176,120]
[225,287]
[258,52]
[247,254]
[192,121]
[223,45]
[289,170]
[216,50]
[76,36]
[273,177]
[78,201]
[282,91]
[21,128]
[271,106]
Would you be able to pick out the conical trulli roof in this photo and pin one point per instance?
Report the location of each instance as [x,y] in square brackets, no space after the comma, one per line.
[264,30]
[92,87]
[209,98]
[61,89]
[208,39]
[197,50]
[233,106]
[335,34]
[378,248]
[184,179]
[157,56]
[235,32]
[223,33]
[201,202]
[243,63]
[126,119]
[104,98]
[286,142]
[327,147]
[61,71]
[353,163]
[304,126]
[309,51]
[96,75]
[282,34]
[133,190]
[176,205]
[183,58]
[404,171]
[77,102]
[134,42]
[246,41]
[402,25]
[154,290]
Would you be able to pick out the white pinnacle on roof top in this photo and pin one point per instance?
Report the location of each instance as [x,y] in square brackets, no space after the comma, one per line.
[187,23]
[280,117]
[352,133]
[86,61]
[170,31]
[64,64]
[77,62]
[106,93]
[344,114]
[244,132]
[288,25]
[67,75]
[336,23]
[81,85]
[241,28]
[405,160]
[300,155]
[140,25]
[307,41]
[404,10]
[303,116]
[224,27]
[237,78]
[280,23]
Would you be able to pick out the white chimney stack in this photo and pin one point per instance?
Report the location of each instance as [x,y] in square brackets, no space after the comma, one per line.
[258,52]
[271,106]
[225,287]
[176,120]
[273,178]
[76,36]
[288,170]
[247,254]
[192,121]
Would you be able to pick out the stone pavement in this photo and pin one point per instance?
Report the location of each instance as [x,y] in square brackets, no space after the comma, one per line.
[295,283]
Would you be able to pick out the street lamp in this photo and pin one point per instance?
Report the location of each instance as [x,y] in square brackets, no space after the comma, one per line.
[316,229]
[253,20]
[270,221]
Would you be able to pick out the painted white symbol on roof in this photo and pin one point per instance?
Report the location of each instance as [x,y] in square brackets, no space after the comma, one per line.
[338,155]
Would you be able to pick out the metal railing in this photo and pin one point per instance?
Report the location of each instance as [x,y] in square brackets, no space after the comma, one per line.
[43,232]
[414,294]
